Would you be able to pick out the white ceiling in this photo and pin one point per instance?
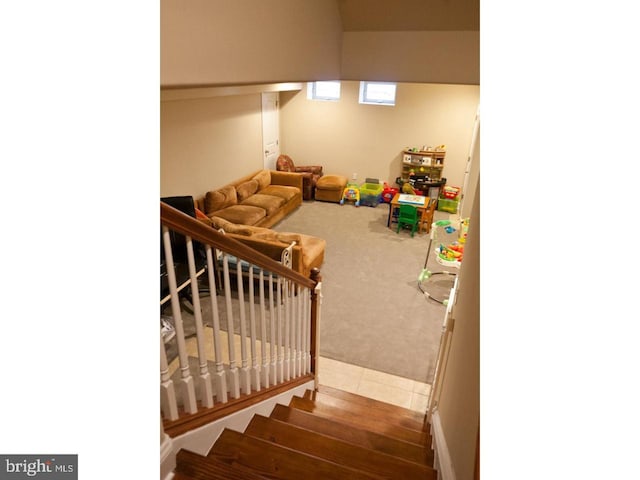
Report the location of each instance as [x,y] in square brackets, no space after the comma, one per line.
[409,15]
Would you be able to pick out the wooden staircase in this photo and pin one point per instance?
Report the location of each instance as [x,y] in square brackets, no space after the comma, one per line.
[326,434]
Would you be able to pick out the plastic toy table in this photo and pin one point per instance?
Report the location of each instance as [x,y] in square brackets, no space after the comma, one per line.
[425,209]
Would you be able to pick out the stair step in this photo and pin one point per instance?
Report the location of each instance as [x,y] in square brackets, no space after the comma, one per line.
[361,419]
[335,450]
[395,410]
[373,409]
[353,435]
[191,466]
[276,462]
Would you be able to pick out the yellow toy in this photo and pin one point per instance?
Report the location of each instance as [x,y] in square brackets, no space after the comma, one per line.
[351,192]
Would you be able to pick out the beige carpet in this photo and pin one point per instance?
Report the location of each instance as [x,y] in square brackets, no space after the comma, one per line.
[373,313]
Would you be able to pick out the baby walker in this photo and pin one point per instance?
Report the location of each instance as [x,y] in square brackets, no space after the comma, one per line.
[449,255]
[352,193]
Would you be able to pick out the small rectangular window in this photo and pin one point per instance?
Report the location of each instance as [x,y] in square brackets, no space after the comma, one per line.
[323,90]
[378,93]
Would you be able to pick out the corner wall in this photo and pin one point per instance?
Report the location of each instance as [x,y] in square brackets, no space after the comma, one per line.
[208,142]
[459,402]
[221,42]
[427,57]
[346,137]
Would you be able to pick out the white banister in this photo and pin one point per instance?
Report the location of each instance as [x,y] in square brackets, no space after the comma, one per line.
[233,381]
[245,380]
[187,386]
[263,335]
[286,346]
[255,368]
[273,320]
[279,325]
[220,378]
[206,390]
[168,403]
[274,327]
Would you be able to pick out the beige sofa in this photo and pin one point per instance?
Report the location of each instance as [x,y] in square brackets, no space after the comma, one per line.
[261,199]
[307,253]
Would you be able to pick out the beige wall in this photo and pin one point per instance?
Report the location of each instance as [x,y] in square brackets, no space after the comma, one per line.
[207,142]
[425,57]
[459,403]
[347,137]
[218,42]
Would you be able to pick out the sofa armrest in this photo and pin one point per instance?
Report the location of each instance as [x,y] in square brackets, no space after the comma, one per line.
[287,179]
[272,249]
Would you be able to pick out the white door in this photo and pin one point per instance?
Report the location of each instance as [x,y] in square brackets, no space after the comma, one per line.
[270,129]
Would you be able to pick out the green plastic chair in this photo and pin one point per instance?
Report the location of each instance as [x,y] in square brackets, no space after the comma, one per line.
[408,215]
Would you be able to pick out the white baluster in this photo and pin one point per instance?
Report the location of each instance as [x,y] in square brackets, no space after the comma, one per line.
[263,335]
[307,331]
[287,329]
[245,380]
[273,320]
[299,323]
[206,390]
[168,402]
[255,368]
[186,380]
[233,381]
[280,325]
[219,376]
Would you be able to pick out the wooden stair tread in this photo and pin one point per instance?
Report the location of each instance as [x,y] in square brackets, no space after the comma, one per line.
[362,419]
[335,450]
[372,409]
[394,410]
[277,462]
[353,435]
[197,467]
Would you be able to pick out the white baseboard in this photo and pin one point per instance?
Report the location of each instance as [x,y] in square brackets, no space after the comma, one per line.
[442,458]
[202,439]
[167,458]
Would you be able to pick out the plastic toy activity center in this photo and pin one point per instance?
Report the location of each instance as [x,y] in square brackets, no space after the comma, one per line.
[448,252]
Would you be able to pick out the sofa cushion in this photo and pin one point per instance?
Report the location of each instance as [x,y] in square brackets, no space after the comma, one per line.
[264,179]
[242,214]
[246,189]
[218,199]
[282,191]
[269,202]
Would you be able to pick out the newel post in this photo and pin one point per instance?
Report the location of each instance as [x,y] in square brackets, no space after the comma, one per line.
[316,301]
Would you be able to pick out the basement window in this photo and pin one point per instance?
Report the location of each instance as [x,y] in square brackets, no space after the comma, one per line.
[323,91]
[378,93]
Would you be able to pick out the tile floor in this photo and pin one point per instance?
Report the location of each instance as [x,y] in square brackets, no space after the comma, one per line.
[369,383]
[381,386]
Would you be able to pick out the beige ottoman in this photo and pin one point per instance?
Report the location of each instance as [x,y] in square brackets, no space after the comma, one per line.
[329,188]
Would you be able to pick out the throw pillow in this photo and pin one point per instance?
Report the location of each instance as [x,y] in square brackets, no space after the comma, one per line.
[246,189]
[264,179]
[222,198]
[200,215]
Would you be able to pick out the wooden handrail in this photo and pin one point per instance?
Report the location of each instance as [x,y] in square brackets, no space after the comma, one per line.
[182,223]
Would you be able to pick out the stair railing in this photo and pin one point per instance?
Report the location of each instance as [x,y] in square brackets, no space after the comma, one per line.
[270,313]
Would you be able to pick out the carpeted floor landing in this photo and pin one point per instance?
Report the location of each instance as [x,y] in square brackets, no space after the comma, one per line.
[373,313]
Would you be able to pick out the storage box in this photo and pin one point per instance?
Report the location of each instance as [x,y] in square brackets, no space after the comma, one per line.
[388,194]
[371,194]
[446,205]
[450,193]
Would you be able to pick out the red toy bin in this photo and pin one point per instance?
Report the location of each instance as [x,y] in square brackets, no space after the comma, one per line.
[450,193]
[388,194]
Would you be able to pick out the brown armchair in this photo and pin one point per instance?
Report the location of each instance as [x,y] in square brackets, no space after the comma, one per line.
[310,174]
